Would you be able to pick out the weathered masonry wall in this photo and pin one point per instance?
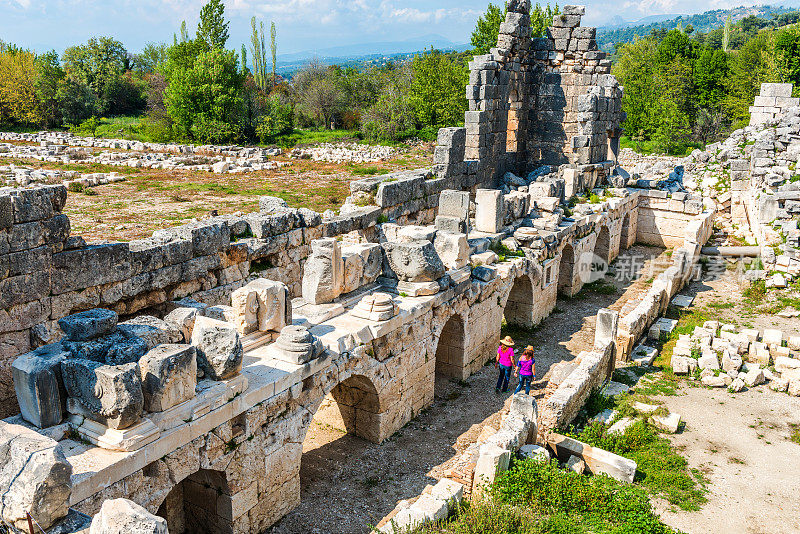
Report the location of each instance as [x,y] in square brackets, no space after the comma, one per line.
[663,217]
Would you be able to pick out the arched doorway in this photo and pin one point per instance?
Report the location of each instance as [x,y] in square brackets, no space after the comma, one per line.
[519,308]
[566,270]
[199,504]
[602,246]
[352,406]
[625,233]
[450,350]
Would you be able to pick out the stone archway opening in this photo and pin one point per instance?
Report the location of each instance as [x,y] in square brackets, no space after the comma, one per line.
[602,247]
[353,407]
[450,350]
[625,233]
[566,272]
[199,504]
[519,310]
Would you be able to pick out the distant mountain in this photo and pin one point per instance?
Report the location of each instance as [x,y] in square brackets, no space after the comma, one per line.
[370,49]
[618,31]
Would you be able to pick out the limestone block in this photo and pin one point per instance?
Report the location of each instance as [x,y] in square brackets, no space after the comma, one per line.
[121,516]
[88,325]
[219,349]
[488,210]
[453,249]
[35,478]
[597,460]
[372,258]
[779,384]
[576,464]
[454,204]
[708,361]
[295,345]
[323,272]
[39,387]
[375,307]
[713,381]
[414,262]
[754,377]
[353,271]
[731,362]
[151,330]
[784,364]
[169,376]
[109,394]
[772,337]
[667,423]
[492,461]
[183,320]
[431,508]
[262,305]
[115,348]
[534,452]
[606,329]
[449,491]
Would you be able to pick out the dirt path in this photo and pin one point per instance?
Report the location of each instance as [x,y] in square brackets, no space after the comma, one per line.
[740,442]
[348,484]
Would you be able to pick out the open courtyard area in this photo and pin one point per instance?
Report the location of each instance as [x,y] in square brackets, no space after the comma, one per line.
[548,283]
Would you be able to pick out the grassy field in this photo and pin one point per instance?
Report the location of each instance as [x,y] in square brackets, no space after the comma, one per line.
[150,199]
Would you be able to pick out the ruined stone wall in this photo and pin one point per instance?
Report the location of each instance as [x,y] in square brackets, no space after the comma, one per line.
[663,217]
[541,101]
[45,274]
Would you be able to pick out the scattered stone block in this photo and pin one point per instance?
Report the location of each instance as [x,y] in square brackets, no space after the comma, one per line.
[492,461]
[708,361]
[88,325]
[295,345]
[620,426]
[606,416]
[772,337]
[597,460]
[219,349]
[39,386]
[449,491]
[152,330]
[121,516]
[794,387]
[713,381]
[488,210]
[682,301]
[109,394]
[779,384]
[183,320]
[534,452]
[375,307]
[414,262]
[262,305]
[614,389]
[323,273]
[35,478]
[783,364]
[453,249]
[169,376]
[754,377]
[667,423]
[737,385]
[576,464]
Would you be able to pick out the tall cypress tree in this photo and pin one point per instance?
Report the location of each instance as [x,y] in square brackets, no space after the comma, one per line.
[212,27]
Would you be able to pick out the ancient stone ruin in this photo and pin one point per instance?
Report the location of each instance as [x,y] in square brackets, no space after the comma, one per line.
[176,376]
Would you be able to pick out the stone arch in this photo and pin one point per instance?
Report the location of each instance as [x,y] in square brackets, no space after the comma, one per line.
[566,271]
[354,406]
[519,308]
[625,233]
[199,504]
[602,247]
[450,350]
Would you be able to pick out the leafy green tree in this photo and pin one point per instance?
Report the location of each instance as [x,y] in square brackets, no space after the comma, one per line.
[212,28]
[204,99]
[148,60]
[258,50]
[787,55]
[318,94]
[437,92]
[484,36]
[97,63]
[76,102]
[751,66]
[391,117]
[710,76]
[49,77]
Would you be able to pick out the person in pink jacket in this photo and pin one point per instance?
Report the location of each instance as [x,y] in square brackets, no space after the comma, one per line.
[526,370]
[505,362]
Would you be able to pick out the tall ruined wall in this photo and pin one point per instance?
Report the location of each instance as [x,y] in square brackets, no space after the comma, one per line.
[533,102]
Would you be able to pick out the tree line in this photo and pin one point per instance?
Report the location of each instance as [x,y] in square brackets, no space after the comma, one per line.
[685,88]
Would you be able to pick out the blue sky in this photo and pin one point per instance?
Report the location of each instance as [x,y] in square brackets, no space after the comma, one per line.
[302,24]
